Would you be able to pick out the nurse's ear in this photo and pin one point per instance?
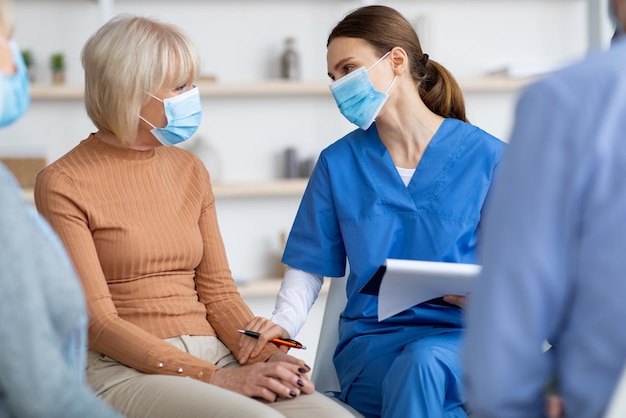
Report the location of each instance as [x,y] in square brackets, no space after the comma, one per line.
[399,60]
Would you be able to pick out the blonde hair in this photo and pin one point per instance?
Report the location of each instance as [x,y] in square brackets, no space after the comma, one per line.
[125,59]
[7,18]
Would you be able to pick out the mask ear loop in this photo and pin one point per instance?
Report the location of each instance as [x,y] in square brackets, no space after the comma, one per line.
[144,119]
[391,84]
[154,97]
[379,60]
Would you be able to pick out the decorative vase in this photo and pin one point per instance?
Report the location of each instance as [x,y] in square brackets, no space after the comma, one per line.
[58,77]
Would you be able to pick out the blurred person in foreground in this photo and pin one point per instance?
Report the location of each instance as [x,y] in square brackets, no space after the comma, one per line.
[138,218]
[554,242]
[44,318]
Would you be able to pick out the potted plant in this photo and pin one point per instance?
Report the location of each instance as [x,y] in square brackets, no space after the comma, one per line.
[29,61]
[57,66]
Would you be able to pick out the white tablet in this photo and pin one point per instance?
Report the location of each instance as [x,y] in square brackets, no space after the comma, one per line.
[401,284]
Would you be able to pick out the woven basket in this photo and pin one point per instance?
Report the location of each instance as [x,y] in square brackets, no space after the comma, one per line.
[24,169]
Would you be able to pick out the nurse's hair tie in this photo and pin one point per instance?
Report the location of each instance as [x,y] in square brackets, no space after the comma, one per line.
[424,60]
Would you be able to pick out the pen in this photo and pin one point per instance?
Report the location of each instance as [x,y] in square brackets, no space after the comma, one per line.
[280,341]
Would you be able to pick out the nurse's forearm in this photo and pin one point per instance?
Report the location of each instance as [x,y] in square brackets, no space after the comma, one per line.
[298,292]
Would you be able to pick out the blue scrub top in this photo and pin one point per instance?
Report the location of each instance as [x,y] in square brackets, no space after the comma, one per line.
[356,207]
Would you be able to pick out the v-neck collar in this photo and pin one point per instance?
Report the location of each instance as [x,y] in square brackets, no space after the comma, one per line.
[438,158]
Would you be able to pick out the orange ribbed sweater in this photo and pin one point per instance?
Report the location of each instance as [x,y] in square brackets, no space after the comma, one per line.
[142,231]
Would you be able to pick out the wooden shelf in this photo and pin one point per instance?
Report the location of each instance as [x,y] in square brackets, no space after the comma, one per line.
[39,91]
[269,88]
[260,288]
[493,84]
[269,288]
[208,89]
[270,188]
[279,88]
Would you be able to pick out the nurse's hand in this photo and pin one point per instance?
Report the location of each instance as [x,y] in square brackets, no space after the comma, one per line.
[457,300]
[252,347]
[271,380]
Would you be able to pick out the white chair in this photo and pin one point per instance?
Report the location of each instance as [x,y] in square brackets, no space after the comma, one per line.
[617,405]
[324,375]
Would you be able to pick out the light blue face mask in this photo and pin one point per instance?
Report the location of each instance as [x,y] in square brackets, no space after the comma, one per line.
[14,89]
[183,113]
[357,98]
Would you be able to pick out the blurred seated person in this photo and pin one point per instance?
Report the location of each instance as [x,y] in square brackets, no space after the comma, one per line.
[43,330]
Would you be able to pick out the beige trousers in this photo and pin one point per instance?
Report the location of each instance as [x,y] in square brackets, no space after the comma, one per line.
[140,395]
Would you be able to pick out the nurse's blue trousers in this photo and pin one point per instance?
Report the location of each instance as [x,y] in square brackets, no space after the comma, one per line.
[422,379]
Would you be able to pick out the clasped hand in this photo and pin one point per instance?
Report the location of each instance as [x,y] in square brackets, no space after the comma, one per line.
[281,376]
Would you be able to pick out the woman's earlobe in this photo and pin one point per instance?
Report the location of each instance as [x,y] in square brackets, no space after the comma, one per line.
[398,69]
[398,60]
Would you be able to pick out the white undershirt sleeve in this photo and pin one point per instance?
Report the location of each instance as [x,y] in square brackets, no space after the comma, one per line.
[298,292]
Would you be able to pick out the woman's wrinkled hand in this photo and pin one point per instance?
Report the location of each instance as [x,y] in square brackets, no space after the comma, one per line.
[252,347]
[306,386]
[267,380]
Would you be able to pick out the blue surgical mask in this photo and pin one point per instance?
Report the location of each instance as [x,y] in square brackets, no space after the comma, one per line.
[14,89]
[357,98]
[183,113]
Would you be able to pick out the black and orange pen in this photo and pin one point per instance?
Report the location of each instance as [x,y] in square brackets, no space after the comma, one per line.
[280,341]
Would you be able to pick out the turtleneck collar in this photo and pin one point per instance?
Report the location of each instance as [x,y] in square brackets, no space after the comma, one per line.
[118,152]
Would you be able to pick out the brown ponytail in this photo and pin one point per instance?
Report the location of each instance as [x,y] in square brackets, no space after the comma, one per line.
[385,28]
[440,92]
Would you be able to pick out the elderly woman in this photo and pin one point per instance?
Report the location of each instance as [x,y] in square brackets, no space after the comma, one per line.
[138,218]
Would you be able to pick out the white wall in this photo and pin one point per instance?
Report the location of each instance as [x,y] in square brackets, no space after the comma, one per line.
[240,41]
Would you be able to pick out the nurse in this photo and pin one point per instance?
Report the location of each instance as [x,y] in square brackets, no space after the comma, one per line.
[409,183]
